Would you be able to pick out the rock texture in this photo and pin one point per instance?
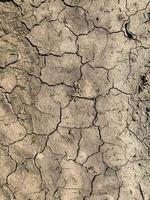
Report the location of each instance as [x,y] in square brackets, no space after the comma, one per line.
[74,100]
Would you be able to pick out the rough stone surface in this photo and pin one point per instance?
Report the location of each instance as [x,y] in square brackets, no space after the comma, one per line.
[74,100]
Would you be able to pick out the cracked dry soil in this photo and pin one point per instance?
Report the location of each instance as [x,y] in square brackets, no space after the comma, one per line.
[74,100]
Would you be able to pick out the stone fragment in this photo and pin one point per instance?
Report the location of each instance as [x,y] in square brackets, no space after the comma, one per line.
[64,69]
[25,181]
[94,82]
[71,115]
[75,19]
[7,165]
[8,54]
[54,38]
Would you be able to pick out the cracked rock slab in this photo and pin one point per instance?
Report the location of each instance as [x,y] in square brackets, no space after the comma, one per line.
[74,100]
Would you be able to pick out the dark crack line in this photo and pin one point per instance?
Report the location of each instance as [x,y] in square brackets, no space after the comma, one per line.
[141,191]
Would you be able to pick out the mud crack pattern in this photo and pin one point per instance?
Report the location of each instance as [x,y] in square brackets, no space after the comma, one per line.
[74,100]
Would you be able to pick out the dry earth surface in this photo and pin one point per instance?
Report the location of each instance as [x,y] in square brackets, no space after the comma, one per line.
[74,100]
